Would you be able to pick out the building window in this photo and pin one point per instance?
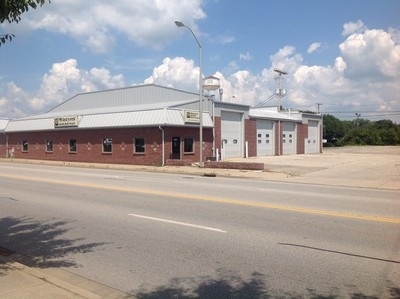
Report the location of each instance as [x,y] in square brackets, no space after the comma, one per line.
[72,146]
[24,145]
[139,145]
[107,145]
[188,145]
[49,145]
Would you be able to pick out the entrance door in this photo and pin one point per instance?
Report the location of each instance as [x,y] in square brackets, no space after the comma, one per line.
[176,148]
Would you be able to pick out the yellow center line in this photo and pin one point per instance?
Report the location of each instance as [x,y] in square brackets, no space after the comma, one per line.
[247,203]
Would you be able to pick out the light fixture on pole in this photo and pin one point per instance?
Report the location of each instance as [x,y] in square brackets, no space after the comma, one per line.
[180,24]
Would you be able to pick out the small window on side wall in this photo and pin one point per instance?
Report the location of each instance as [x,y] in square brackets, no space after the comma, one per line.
[49,145]
[107,145]
[72,146]
[25,145]
[139,146]
[188,145]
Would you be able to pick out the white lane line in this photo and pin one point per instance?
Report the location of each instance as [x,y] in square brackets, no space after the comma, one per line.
[178,223]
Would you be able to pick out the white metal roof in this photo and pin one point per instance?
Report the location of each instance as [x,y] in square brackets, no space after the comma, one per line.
[159,117]
[140,97]
[142,105]
[3,124]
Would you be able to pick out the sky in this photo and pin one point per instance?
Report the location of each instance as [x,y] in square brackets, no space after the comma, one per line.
[341,57]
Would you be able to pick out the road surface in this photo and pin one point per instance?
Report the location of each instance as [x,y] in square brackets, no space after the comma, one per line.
[165,235]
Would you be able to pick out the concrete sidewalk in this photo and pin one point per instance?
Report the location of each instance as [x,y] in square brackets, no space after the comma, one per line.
[18,280]
[365,167]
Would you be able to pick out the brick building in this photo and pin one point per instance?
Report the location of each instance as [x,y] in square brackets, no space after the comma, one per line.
[155,125]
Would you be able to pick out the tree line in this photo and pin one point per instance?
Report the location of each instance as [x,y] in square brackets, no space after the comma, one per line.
[359,132]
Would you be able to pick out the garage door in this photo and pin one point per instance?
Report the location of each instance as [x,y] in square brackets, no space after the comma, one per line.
[312,142]
[231,134]
[265,138]
[289,138]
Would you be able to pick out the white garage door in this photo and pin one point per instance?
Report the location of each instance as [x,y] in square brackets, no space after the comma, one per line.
[289,138]
[231,134]
[312,142]
[265,138]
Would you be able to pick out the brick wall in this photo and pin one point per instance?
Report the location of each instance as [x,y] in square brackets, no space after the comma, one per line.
[90,145]
[3,146]
[250,134]
[217,131]
[302,134]
[278,138]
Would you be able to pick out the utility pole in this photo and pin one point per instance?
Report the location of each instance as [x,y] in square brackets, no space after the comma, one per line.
[358,118]
[318,105]
[280,92]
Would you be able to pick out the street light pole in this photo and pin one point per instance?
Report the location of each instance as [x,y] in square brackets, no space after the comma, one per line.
[180,24]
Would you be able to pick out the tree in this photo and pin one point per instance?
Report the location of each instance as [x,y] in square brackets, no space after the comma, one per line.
[11,11]
[334,129]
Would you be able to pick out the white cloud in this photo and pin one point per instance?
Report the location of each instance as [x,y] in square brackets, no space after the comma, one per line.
[313,47]
[144,22]
[353,27]
[63,80]
[286,59]
[340,86]
[365,72]
[372,54]
[226,39]
[245,56]
[177,72]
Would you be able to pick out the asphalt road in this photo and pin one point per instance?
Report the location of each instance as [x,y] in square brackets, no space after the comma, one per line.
[164,235]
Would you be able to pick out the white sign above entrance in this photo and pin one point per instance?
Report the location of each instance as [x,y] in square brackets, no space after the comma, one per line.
[66,121]
[192,117]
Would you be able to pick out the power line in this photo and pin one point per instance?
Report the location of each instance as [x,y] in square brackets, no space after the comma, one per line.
[355,111]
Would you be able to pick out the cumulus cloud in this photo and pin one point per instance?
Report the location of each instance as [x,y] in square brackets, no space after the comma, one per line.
[365,73]
[353,27]
[176,72]
[62,81]
[13,100]
[372,54]
[146,23]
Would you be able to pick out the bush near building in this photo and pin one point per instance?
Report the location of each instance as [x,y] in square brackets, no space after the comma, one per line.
[360,132]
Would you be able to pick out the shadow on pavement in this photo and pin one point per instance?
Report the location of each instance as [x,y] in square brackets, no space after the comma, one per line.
[41,244]
[233,287]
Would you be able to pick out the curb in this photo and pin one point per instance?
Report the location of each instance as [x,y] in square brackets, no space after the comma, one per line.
[71,283]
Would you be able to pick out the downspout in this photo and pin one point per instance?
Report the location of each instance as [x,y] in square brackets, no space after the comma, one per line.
[279,138]
[163,145]
[213,120]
